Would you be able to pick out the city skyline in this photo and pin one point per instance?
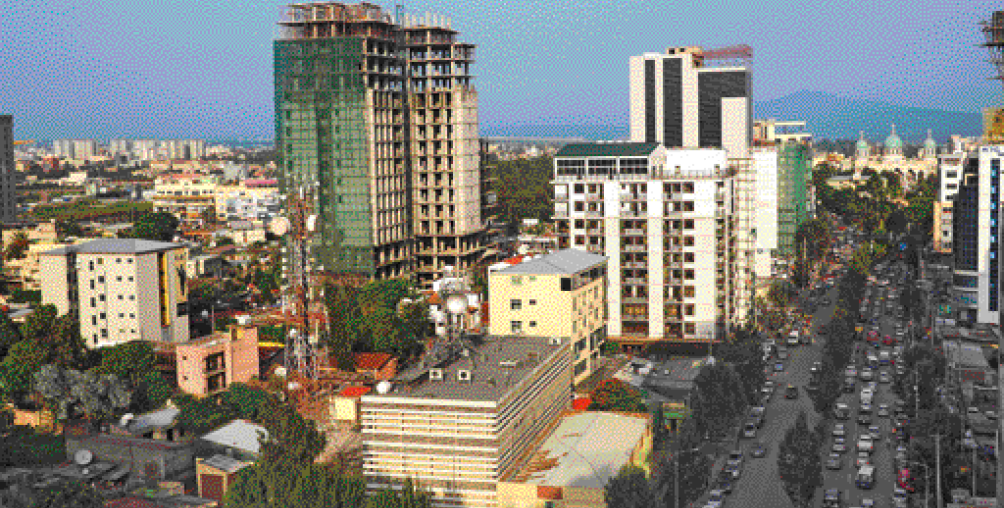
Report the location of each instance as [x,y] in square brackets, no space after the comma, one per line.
[119,70]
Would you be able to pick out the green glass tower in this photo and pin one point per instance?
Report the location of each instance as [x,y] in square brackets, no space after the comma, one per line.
[794,170]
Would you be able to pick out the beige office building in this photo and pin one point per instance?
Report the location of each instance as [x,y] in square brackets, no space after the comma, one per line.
[124,290]
[460,427]
[562,294]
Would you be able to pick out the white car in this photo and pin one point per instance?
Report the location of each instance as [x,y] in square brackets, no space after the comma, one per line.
[716,499]
[865,443]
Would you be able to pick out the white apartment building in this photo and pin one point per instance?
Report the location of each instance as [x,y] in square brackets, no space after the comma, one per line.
[84,149]
[124,290]
[250,200]
[765,209]
[668,220]
[950,170]
[8,176]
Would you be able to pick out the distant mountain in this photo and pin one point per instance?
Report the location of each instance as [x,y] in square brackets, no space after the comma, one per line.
[833,117]
[826,116]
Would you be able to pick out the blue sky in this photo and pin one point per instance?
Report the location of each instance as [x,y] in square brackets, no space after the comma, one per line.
[203,68]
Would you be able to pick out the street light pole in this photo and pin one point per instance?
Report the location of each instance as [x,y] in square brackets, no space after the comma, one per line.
[937,457]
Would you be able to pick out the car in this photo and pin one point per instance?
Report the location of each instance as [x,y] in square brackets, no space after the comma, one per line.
[874,432]
[749,430]
[838,447]
[757,411]
[864,458]
[736,456]
[884,377]
[883,411]
[716,498]
[759,451]
[733,470]
[865,408]
[791,392]
[835,462]
[839,430]
[779,367]
[725,485]
[864,419]
[872,385]
[865,443]
[899,498]
[968,441]
[991,414]
[849,385]
[851,371]
[867,503]
[866,375]
[833,498]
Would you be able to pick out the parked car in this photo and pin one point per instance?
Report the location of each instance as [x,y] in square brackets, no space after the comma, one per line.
[839,430]
[759,451]
[835,462]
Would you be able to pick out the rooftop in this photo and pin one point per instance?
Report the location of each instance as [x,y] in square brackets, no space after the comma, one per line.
[496,365]
[239,434]
[224,463]
[562,262]
[607,150]
[114,246]
[588,449]
[160,419]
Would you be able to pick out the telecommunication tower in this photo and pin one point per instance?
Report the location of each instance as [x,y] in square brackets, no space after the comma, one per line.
[297,228]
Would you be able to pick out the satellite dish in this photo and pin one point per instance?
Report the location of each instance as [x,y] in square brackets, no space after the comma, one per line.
[280,371]
[279,226]
[83,457]
[456,303]
[312,223]
[523,249]
[383,387]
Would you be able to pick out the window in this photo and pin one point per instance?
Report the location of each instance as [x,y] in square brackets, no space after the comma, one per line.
[130,278]
[533,324]
[129,260]
[121,297]
[132,315]
[93,302]
[118,279]
[101,279]
[132,297]
[566,284]
[122,314]
[101,297]
[94,320]
[92,283]
[515,305]
[90,265]
[118,260]
[533,302]
[517,326]
[104,333]
[517,280]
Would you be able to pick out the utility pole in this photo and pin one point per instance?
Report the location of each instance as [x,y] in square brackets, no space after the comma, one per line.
[937,458]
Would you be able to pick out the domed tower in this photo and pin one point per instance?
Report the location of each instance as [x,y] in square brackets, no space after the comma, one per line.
[862,149]
[930,147]
[893,146]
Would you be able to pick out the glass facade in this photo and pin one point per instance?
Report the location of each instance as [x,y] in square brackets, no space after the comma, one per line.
[794,167]
[321,133]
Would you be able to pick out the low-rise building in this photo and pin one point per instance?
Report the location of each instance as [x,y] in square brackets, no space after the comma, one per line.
[561,294]
[461,422]
[228,449]
[245,233]
[187,196]
[210,364]
[578,459]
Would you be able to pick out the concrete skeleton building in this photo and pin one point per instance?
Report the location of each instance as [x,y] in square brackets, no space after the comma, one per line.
[8,176]
[778,220]
[561,294]
[950,170]
[377,117]
[124,290]
[976,237]
[460,427]
[667,220]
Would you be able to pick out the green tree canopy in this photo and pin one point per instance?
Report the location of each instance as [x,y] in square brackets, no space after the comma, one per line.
[629,489]
[156,226]
[799,463]
[9,334]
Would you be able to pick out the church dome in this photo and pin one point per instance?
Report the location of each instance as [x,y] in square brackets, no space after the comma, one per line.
[862,146]
[930,146]
[893,141]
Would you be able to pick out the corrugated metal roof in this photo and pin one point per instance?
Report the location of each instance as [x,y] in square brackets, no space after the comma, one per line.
[567,261]
[239,434]
[114,246]
[224,463]
[607,150]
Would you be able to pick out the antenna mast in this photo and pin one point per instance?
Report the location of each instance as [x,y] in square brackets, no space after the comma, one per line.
[300,355]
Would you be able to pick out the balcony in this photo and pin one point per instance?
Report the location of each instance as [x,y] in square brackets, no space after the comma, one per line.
[634,248]
[629,212]
[634,264]
[594,197]
[635,299]
[636,280]
[594,231]
[594,213]
[635,232]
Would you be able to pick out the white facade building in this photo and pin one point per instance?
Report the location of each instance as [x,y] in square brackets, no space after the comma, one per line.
[765,163]
[668,220]
[124,290]
[950,170]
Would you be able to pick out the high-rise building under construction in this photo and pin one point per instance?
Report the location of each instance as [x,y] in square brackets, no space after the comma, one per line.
[376,119]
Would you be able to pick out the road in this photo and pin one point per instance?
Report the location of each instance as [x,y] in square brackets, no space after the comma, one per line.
[759,484]
[883,455]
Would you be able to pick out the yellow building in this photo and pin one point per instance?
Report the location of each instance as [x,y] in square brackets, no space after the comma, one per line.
[562,294]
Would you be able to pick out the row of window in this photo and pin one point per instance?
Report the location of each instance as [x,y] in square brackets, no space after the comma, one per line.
[101,298]
[101,261]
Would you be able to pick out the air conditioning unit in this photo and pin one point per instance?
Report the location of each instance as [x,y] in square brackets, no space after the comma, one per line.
[436,374]
[463,375]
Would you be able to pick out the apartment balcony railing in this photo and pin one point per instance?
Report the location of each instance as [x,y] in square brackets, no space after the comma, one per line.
[635,232]
[594,197]
[635,280]
[594,213]
[634,248]
[634,264]
[635,299]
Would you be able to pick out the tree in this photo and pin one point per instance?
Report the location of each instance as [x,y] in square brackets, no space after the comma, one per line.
[383,327]
[9,334]
[615,395]
[70,393]
[408,496]
[131,360]
[743,353]
[18,246]
[799,463]
[208,216]
[291,438]
[156,226]
[39,324]
[629,489]
[718,399]
[202,415]
[67,228]
[416,327]
[17,368]
[246,401]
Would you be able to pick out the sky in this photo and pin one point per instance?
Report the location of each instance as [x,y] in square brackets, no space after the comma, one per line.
[187,68]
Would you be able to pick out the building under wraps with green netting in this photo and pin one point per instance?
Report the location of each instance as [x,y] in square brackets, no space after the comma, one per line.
[794,173]
[376,121]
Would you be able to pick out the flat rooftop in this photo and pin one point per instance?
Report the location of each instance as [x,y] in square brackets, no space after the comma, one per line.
[496,365]
[114,246]
[588,449]
[562,262]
